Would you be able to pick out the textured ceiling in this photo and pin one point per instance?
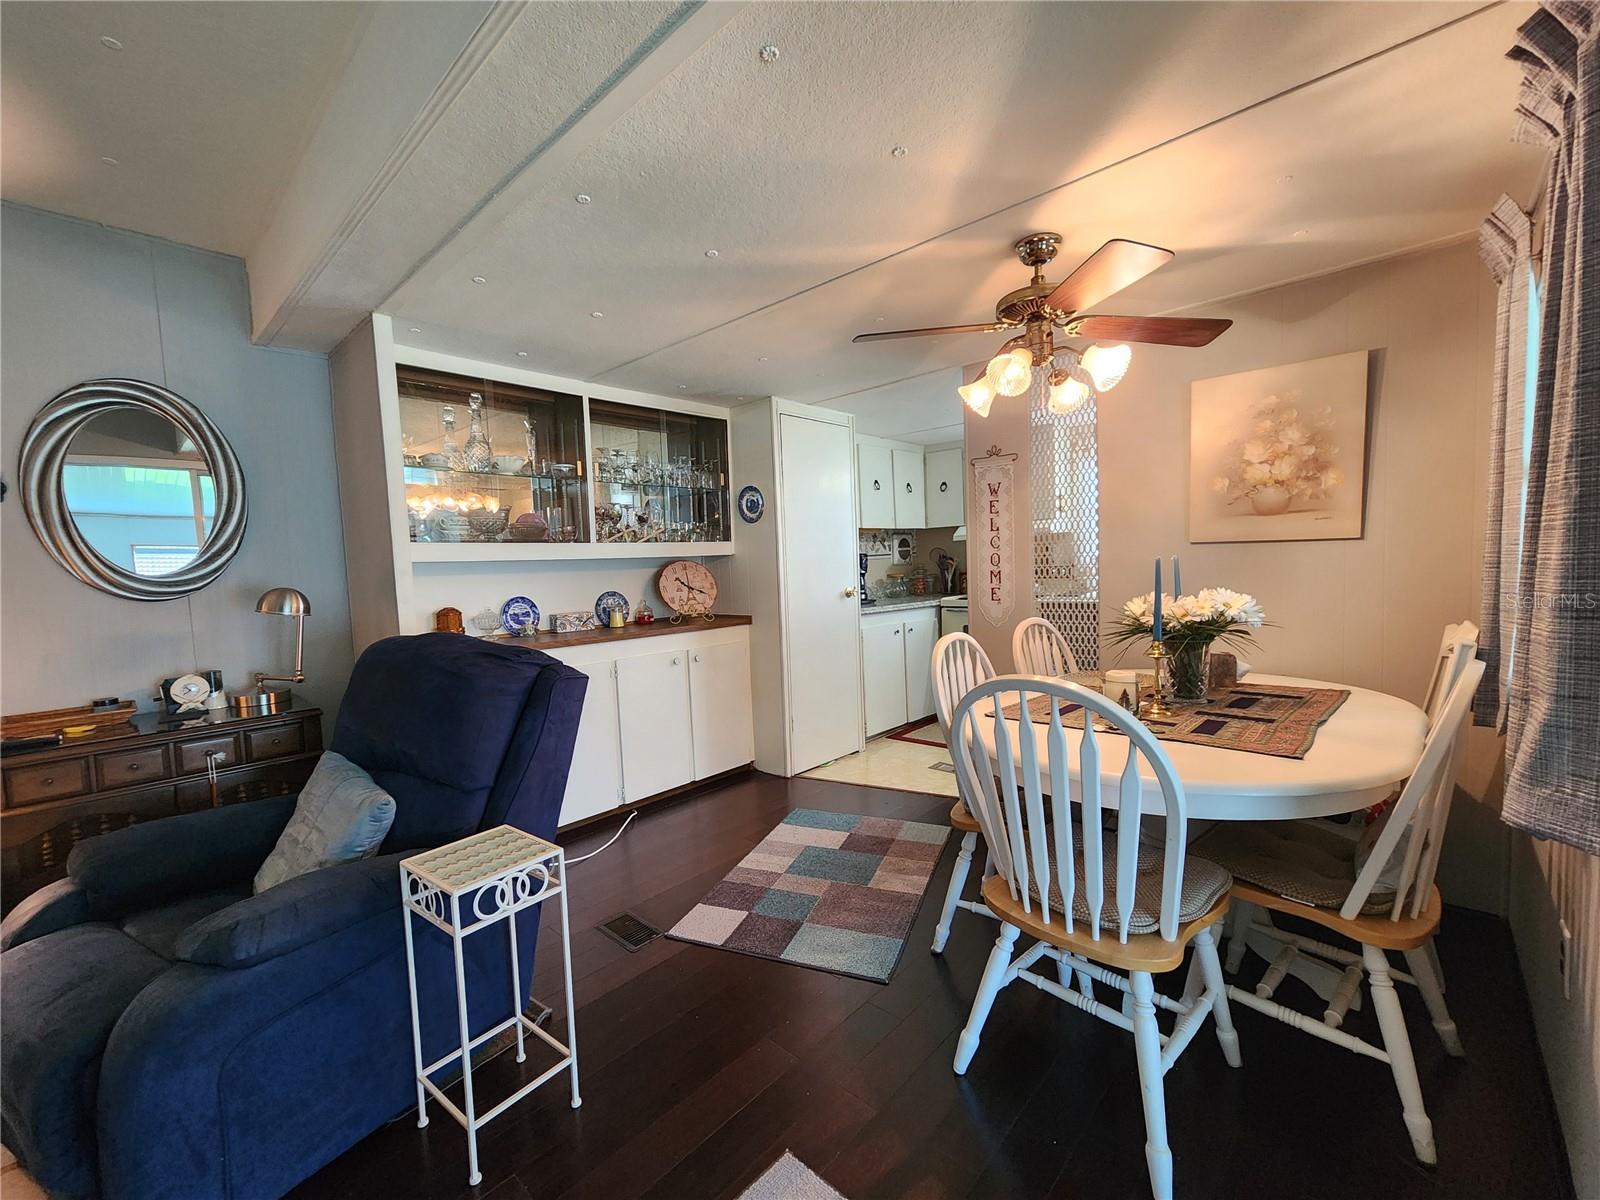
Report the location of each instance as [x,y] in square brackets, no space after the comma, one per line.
[1167,123]
[206,109]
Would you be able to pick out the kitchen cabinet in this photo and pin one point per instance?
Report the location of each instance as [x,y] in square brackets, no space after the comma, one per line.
[875,486]
[664,707]
[921,632]
[946,502]
[910,508]
[883,673]
[719,705]
[657,733]
[897,666]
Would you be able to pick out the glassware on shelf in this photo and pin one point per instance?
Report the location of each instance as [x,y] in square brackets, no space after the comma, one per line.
[477,454]
[448,446]
[530,441]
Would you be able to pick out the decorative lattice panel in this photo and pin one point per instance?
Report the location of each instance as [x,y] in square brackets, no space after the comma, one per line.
[1066,523]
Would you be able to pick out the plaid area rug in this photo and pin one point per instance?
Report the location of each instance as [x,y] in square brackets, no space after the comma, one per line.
[829,890]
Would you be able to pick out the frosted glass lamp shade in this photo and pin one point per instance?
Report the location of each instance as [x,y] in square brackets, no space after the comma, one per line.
[1016,372]
[977,395]
[1067,393]
[1107,365]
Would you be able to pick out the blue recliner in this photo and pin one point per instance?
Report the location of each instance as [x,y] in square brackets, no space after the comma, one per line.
[169,1036]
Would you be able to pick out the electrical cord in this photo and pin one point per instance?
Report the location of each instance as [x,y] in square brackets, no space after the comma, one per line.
[572,862]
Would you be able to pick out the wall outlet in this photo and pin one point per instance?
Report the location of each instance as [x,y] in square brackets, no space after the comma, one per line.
[1564,961]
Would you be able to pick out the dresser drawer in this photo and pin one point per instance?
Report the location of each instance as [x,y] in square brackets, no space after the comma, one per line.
[47,781]
[196,756]
[274,742]
[132,766]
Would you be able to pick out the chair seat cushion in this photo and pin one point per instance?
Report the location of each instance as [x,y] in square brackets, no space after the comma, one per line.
[64,993]
[1304,861]
[158,929]
[1204,883]
[341,816]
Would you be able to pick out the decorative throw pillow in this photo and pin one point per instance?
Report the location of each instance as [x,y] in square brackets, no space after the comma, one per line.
[341,816]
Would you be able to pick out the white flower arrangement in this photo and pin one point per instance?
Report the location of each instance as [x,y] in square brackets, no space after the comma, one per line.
[1211,614]
[1288,458]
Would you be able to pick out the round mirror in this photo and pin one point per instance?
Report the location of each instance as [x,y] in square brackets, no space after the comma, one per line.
[132,489]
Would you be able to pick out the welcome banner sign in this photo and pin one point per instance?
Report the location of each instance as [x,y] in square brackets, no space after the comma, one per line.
[992,590]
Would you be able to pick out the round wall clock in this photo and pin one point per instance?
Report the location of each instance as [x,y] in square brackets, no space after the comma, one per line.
[688,588]
[751,503]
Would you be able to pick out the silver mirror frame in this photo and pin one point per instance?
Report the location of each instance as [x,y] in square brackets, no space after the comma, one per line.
[44,454]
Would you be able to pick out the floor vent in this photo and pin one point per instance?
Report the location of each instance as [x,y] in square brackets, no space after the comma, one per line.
[949,768]
[630,932]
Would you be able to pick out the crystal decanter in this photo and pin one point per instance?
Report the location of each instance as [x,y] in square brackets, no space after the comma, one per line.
[477,454]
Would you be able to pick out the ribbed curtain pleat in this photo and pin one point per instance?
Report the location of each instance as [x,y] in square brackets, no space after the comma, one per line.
[1553,706]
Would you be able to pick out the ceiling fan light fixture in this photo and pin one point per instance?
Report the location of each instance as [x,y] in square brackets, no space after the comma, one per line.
[1011,374]
[1068,392]
[1106,365]
[978,396]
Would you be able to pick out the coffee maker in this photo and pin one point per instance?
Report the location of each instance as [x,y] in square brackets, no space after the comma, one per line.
[866,597]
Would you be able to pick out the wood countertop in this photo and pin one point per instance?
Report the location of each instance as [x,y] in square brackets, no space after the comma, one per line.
[660,627]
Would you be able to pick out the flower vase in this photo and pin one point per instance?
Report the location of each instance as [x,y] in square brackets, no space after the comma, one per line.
[1188,669]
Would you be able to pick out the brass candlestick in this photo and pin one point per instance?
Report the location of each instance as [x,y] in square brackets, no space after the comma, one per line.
[1156,706]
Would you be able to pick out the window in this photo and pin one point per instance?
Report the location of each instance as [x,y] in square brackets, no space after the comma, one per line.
[150,561]
[1066,525]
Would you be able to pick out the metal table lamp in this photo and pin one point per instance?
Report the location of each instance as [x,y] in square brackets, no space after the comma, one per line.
[283,602]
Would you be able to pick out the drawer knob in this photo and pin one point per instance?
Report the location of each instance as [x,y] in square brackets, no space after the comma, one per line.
[49,779]
[133,766]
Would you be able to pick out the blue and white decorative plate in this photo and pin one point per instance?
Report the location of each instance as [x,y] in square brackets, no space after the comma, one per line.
[751,503]
[520,616]
[605,602]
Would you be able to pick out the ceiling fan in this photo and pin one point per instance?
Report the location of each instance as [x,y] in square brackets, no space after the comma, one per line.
[1042,309]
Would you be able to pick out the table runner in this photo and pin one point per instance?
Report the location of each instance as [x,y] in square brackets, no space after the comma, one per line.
[1254,718]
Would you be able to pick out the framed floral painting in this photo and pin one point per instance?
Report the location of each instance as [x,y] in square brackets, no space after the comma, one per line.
[1279,455]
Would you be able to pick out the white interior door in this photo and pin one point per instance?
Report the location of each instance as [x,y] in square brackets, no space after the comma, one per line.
[922,631]
[657,735]
[719,698]
[820,576]
[594,783]
[883,674]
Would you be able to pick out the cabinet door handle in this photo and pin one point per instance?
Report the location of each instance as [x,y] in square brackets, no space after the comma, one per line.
[897,634]
[697,658]
[908,489]
[877,485]
[944,486]
[676,661]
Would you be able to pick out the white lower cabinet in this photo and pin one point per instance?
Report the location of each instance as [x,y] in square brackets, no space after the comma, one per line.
[657,737]
[897,666]
[659,713]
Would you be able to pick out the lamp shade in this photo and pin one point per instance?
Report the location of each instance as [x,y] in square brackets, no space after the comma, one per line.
[284,602]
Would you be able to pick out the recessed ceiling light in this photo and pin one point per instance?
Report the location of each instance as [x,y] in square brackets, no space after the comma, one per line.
[763,358]
[479,279]
[899,152]
[108,160]
[769,53]
[711,253]
[597,314]
[683,387]
[877,321]
[414,329]
[583,198]
[1302,233]
[110,43]
[524,354]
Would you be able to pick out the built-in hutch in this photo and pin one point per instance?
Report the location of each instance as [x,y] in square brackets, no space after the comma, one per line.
[461,477]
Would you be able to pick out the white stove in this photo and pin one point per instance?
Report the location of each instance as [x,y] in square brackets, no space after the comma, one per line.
[953,615]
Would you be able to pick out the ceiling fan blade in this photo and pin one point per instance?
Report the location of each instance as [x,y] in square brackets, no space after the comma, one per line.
[1162,331]
[991,327]
[1109,269]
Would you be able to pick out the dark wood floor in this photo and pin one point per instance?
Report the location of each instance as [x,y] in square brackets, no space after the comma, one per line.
[701,1066]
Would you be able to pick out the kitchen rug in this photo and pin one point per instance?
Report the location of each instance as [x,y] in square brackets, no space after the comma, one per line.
[835,891]
[923,733]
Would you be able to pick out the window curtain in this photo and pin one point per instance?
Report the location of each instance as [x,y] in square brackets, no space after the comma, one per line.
[1553,706]
[1505,243]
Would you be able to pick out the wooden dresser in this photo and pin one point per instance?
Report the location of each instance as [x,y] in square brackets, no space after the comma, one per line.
[155,766]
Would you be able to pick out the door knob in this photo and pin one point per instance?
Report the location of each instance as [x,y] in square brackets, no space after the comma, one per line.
[849,592]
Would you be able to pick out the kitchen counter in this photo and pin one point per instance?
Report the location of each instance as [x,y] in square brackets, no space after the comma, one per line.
[899,602]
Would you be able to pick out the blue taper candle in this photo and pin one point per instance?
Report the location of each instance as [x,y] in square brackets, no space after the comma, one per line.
[1155,631]
[1177,579]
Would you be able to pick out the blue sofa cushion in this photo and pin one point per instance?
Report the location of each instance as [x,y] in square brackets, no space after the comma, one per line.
[341,816]
[63,994]
[158,929]
[146,864]
[294,914]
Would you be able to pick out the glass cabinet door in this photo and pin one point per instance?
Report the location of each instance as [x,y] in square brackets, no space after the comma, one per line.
[658,476]
[491,462]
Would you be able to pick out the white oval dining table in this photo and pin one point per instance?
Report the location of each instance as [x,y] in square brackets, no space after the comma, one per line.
[1360,755]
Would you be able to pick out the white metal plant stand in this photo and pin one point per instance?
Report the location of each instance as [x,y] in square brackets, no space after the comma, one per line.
[493,876]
